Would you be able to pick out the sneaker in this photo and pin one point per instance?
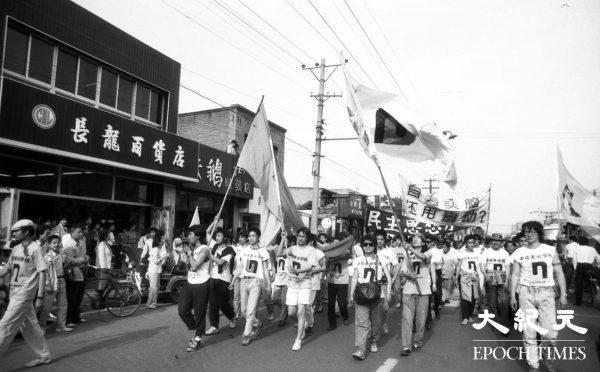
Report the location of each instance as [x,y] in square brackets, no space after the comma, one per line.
[151,306]
[346,322]
[385,329]
[271,317]
[66,329]
[212,331]
[37,362]
[398,305]
[470,320]
[193,345]
[465,321]
[359,355]
[71,325]
[374,348]
[309,331]
[331,327]
[405,352]
[297,345]
[418,345]
[446,301]
[437,315]
[82,320]
[245,340]
[256,329]
[194,340]
[232,323]
[281,323]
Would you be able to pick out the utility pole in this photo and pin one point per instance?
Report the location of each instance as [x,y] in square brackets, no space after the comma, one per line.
[316,169]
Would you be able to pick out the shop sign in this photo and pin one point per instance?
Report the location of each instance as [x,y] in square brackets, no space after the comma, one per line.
[215,169]
[38,120]
[351,206]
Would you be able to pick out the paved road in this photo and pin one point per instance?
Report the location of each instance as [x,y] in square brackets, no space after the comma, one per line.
[156,340]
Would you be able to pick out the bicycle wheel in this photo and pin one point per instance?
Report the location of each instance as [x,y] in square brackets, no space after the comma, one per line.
[123,300]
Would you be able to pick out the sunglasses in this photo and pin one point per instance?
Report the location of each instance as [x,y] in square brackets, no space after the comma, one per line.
[368,245]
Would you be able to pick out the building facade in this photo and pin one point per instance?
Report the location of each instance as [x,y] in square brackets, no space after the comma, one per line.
[88,121]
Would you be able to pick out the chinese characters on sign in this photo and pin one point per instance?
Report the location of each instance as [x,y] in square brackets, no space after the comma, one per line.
[378,219]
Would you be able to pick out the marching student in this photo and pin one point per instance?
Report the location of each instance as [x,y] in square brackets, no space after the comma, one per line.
[416,293]
[449,260]
[337,287]
[195,294]
[28,276]
[533,270]
[497,267]
[254,273]
[437,261]
[583,261]
[388,255]
[369,270]
[468,269]
[242,243]
[280,281]
[315,291]
[222,257]
[302,261]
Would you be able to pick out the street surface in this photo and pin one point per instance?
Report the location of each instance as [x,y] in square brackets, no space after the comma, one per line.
[156,341]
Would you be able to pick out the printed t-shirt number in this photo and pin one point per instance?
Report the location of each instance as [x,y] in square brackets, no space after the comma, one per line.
[498,266]
[16,269]
[417,267]
[535,268]
[370,273]
[281,264]
[472,265]
[251,266]
[338,268]
[296,265]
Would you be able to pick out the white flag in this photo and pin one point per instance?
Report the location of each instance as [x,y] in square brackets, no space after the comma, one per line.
[195,218]
[577,205]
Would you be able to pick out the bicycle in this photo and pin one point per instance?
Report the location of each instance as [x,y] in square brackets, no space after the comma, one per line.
[120,298]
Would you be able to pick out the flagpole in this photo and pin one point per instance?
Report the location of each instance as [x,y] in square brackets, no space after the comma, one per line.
[387,192]
[487,225]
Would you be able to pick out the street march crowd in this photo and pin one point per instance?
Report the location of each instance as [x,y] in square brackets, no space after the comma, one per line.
[377,274]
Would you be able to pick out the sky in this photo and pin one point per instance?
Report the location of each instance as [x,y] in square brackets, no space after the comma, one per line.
[513,79]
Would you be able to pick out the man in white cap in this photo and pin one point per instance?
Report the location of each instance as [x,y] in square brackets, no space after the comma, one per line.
[28,276]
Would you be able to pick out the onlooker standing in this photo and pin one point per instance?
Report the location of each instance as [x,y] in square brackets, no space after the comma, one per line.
[583,260]
[222,257]
[157,255]
[129,239]
[104,256]
[144,244]
[75,262]
[61,229]
[56,287]
[28,271]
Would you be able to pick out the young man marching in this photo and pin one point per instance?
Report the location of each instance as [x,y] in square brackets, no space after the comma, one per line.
[533,270]
[468,269]
[254,273]
[280,282]
[222,257]
[496,265]
[302,261]
[27,268]
[388,255]
[195,294]
[337,288]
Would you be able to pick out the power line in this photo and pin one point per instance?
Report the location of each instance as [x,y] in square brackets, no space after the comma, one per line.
[376,51]
[232,12]
[343,44]
[276,30]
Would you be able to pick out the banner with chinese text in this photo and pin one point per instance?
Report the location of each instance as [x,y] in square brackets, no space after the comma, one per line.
[378,219]
[37,120]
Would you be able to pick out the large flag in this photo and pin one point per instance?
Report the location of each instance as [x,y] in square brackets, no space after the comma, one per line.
[257,158]
[393,133]
[578,205]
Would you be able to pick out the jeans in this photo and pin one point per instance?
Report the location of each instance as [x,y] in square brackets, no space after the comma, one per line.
[20,315]
[278,296]
[250,290]
[367,325]
[194,297]
[447,288]
[467,307]
[579,279]
[74,298]
[384,305]
[339,291]
[414,308]
[219,300]
[266,295]
[61,305]
[542,299]
[236,298]
[498,302]
[154,279]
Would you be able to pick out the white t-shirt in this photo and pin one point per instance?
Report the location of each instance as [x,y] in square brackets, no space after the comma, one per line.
[469,260]
[495,260]
[367,267]
[282,272]
[202,273]
[337,270]
[436,257]
[251,261]
[316,279]
[571,248]
[301,258]
[223,272]
[389,256]
[24,270]
[155,254]
[423,276]
[536,265]
[449,261]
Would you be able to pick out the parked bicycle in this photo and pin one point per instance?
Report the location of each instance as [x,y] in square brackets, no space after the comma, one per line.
[119,297]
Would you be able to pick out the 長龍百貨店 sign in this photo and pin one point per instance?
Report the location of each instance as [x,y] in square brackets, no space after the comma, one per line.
[37,120]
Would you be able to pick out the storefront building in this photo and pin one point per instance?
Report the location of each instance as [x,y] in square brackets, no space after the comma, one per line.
[88,121]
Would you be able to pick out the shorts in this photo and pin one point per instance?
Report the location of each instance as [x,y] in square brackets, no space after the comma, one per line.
[297,296]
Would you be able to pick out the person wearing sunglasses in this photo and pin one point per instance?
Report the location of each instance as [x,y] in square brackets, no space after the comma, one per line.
[368,268]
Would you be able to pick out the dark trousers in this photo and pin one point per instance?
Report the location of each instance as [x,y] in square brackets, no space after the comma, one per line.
[194,297]
[498,302]
[74,298]
[437,295]
[467,307]
[339,291]
[579,278]
[218,299]
[568,270]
